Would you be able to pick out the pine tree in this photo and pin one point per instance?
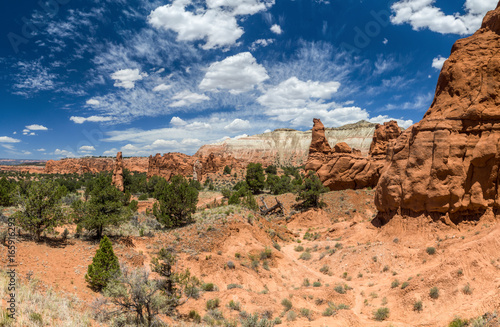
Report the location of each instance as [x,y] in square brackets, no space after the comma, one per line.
[311,192]
[104,267]
[255,177]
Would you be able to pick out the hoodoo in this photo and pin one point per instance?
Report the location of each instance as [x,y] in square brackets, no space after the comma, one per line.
[343,168]
[117,179]
[448,163]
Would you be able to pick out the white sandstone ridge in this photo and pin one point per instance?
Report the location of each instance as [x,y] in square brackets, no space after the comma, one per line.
[284,147]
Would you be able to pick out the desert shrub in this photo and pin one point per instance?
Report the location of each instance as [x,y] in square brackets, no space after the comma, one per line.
[381,314]
[395,283]
[467,290]
[287,304]
[434,293]
[255,178]
[234,305]
[143,197]
[306,282]
[291,316]
[213,303]
[457,322]
[305,256]
[134,294]
[325,269]
[311,191]
[104,267]
[227,170]
[266,254]
[306,313]
[253,321]
[430,250]
[418,306]
[339,288]
[299,248]
[208,287]
[194,316]
[404,285]
[316,284]
[177,202]
[279,185]
[40,207]
[231,286]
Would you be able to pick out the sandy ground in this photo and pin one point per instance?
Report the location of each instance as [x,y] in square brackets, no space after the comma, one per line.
[345,249]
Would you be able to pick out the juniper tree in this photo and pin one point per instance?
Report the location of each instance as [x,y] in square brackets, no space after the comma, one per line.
[310,192]
[104,267]
[177,202]
[40,207]
[255,177]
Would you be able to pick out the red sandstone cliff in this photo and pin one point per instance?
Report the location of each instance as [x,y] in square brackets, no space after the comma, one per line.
[449,162]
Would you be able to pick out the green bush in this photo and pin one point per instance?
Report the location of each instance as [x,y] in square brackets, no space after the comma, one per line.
[287,304]
[457,322]
[316,284]
[41,208]
[208,287]
[404,285]
[143,197]
[305,256]
[395,283]
[231,286]
[311,191]
[339,288]
[430,250]
[234,305]
[177,202]
[418,306]
[213,303]
[255,178]
[266,254]
[381,314]
[133,206]
[227,170]
[434,293]
[299,248]
[104,267]
[271,170]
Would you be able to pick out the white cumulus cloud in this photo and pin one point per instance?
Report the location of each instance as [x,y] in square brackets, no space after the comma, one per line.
[187,98]
[126,78]
[63,153]
[438,62]
[238,73]
[161,87]
[93,102]
[36,127]
[177,121]
[94,119]
[421,14]
[86,148]
[7,139]
[276,29]
[237,125]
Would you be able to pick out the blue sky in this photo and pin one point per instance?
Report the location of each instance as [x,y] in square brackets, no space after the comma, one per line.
[99,76]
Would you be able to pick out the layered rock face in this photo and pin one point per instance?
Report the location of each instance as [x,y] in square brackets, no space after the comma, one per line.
[343,168]
[449,162]
[286,147]
[117,179]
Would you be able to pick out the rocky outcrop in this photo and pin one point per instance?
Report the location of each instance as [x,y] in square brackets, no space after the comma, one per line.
[448,163]
[171,164]
[93,165]
[382,137]
[285,147]
[117,179]
[343,168]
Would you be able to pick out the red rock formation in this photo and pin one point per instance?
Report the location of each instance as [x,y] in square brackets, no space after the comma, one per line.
[382,136]
[79,166]
[170,164]
[449,162]
[117,179]
[343,167]
[93,165]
